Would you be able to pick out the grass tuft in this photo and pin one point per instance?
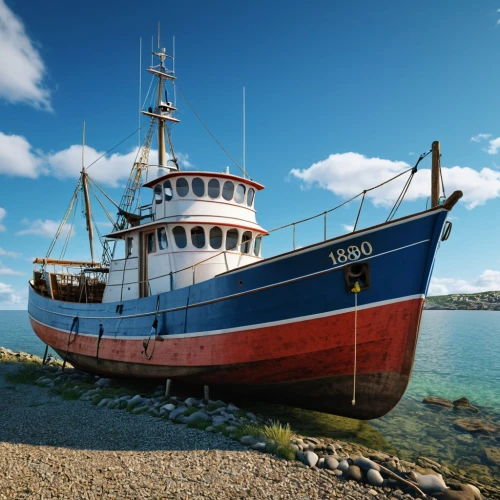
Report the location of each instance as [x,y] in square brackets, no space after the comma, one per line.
[280,434]
[199,425]
[190,411]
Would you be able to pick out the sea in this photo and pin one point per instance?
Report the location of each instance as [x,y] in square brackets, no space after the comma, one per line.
[458,355]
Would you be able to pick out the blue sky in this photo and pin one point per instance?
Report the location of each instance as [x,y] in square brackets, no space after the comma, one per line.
[339,97]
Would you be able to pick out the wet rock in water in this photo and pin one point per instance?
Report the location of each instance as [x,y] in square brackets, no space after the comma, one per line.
[310,458]
[331,463]
[463,404]
[474,425]
[366,464]
[374,478]
[492,455]
[433,400]
[354,472]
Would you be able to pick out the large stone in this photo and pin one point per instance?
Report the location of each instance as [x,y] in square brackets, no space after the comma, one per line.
[492,455]
[455,495]
[354,472]
[168,407]
[432,400]
[331,463]
[374,477]
[366,464]
[177,412]
[198,416]
[463,404]
[137,400]
[191,402]
[259,447]
[104,382]
[104,402]
[474,425]
[248,440]
[218,420]
[343,466]
[431,484]
[476,493]
[310,458]
[231,407]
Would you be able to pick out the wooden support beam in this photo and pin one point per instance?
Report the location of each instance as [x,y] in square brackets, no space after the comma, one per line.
[435,188]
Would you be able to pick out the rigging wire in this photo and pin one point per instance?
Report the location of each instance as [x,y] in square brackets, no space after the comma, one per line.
[108,215]
[102,191]
[68,236]
[208,130]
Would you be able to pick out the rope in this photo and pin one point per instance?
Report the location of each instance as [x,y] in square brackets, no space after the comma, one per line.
[108,215]
[213,136]
[154,328]
[359,211]
[75,323]
[114,147]
[68,236]
[103,192]
[441,175]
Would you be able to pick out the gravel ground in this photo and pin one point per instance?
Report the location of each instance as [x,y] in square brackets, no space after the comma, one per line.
[52,448]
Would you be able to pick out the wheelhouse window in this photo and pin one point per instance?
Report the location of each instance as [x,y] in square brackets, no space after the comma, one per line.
[182,187]
[198,186]
[150,242]
[232,239]
[258,246]
[239,197]
[213,188]
[157,191]
[180,236]
[162,238]
[198,236]
[130,246]
[216,237]
[250,196]
[228,190]
[246,242]
[167,188]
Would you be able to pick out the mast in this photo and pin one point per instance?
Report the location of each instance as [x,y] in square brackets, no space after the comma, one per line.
[162,154]
[88,210]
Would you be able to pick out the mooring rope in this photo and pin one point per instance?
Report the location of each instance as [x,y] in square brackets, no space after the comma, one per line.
[356,289]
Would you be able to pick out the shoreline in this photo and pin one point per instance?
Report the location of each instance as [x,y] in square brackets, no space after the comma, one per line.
[311,453]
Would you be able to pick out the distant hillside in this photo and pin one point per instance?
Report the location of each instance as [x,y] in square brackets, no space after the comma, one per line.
[487,301]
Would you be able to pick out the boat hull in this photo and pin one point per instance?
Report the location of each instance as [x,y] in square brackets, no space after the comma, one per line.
[287,329]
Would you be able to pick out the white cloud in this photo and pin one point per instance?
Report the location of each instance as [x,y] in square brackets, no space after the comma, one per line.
[9,272]
[347,174]
[348,228]
[494,146]
[23,69]
[10,299]
[480,137]
[488,281]
[47,228]
[7,253]
[17,157]
[5,288]
[3,213]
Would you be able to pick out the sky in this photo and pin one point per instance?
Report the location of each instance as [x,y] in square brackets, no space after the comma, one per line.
[340,96]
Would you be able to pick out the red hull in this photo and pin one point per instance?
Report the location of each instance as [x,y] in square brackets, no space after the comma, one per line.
[306,363]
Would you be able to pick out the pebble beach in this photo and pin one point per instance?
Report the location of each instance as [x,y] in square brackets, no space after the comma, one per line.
[97,442]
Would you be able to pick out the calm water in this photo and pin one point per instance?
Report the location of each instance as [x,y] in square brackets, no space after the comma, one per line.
[458,355]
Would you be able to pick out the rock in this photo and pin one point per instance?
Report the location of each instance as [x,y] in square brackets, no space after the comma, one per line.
[135,401]
[191,402]
[104,402]
[430,484]
[432,400]
[168,407]
[198,416]
[492,455]
[231,407]
[373,493]
[374,477]
[112,404]
[230,428]
[310,458]
[259,447]
[463,404]
[474,425]
[343,466]
[366,464]
[312,440]
[104,382]
[210,428]
[251,416]
[455,495]
[218,420]
[337,472]
[475,491]
[177,412]
[321,463]
[139,409]
[331,463]
[354,472]
[248,440]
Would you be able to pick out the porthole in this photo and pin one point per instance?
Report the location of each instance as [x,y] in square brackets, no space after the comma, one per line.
[239,197]
[182,187]
[228,190]
[157,191]
[213,188]
[198,237]
[180,236]
[162,238]
[246,242]
[167,188]
[216,237]
[232,239]
[198,186]
[250,196]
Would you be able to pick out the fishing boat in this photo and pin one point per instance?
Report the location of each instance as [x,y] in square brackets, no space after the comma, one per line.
[183,292]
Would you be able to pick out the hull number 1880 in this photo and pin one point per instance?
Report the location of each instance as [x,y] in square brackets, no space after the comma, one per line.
[352,252]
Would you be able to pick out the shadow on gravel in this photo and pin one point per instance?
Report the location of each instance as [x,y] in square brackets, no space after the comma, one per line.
[40,416]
